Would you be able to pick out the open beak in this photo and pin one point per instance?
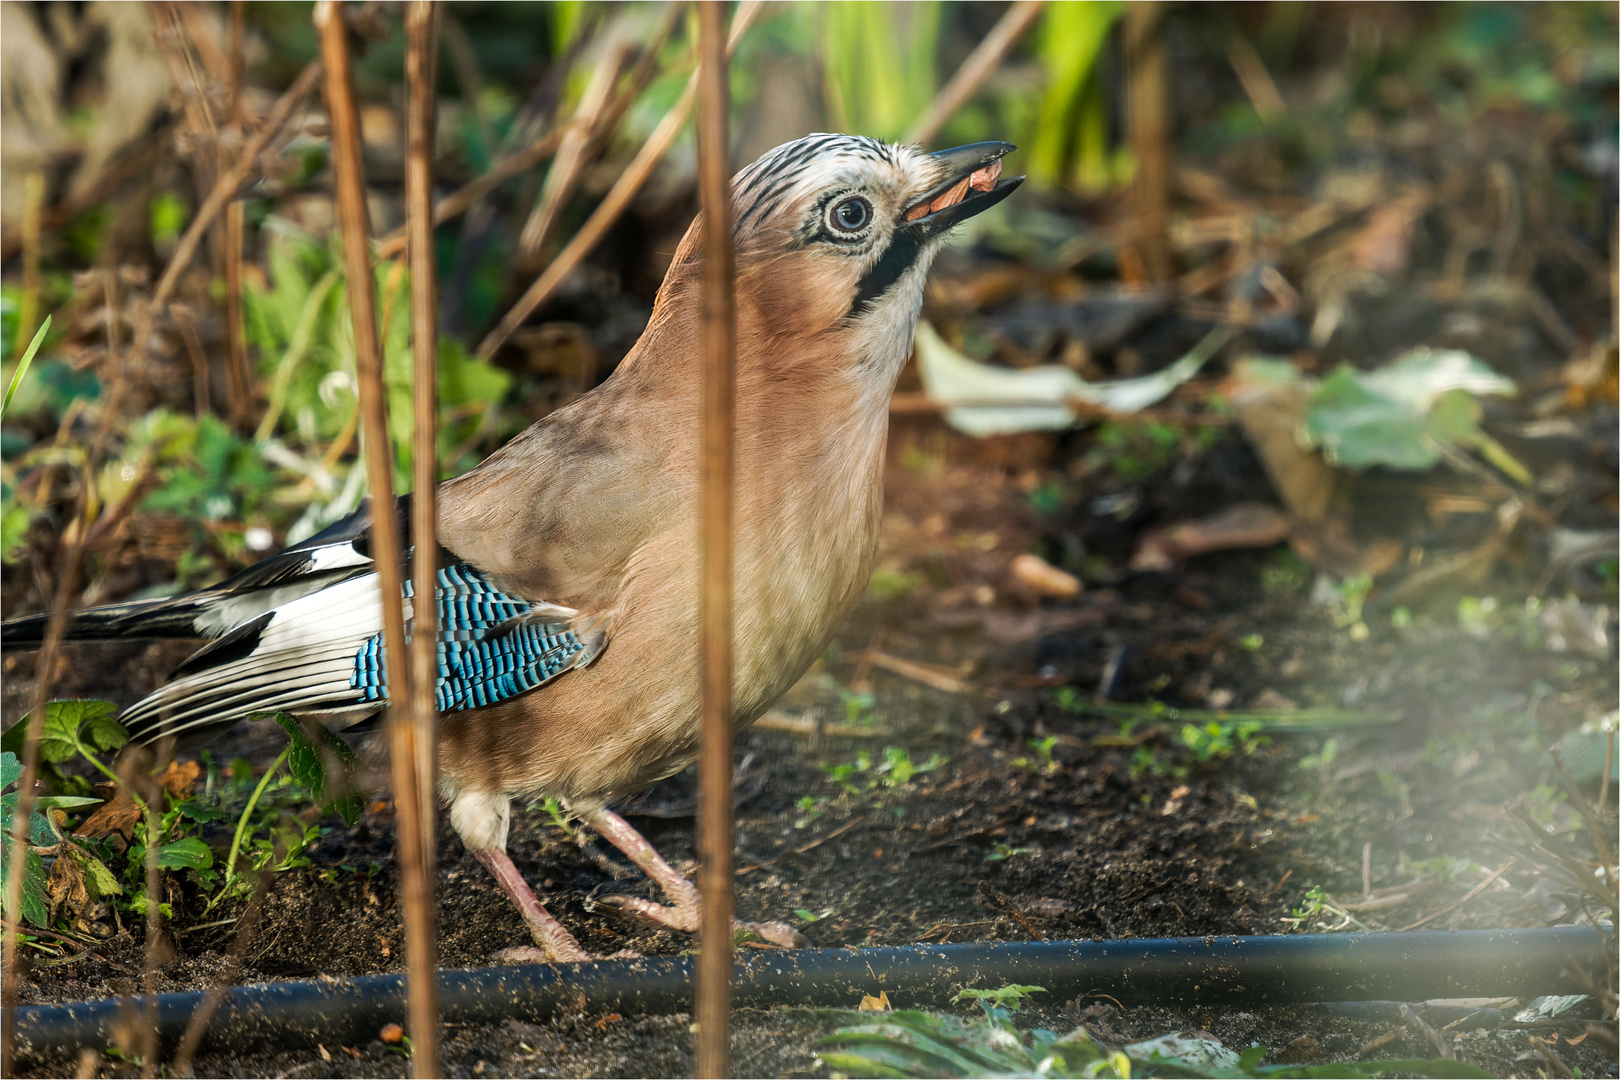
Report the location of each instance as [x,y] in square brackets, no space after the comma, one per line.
[972,185]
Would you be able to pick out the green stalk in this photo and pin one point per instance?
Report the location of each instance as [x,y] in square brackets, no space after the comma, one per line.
[241,826]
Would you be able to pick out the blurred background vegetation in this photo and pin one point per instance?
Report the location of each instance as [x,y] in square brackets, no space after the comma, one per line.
[1330,159]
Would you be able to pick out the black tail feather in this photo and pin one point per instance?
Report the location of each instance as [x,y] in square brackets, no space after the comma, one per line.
[166,618]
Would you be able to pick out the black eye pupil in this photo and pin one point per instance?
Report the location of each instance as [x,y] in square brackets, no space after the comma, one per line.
[851,214]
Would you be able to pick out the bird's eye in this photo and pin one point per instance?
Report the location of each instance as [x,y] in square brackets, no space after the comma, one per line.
[851,215]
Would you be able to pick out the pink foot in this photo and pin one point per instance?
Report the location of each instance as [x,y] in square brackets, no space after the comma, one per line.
[684,911]
[556,945]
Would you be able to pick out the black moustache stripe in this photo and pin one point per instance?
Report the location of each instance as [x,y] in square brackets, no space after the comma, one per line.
[901,256]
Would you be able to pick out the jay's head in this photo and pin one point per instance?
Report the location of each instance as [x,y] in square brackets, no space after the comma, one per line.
[835,234]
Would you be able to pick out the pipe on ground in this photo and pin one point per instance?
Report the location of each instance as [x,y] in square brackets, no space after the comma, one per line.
[1204,971]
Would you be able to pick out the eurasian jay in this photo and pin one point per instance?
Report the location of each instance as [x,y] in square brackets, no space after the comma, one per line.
[568,580]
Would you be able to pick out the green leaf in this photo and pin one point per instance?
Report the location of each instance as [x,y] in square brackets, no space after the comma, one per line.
[15,520]
[1402,414]
[308,764]
[67,802]
[11,769]
[68,725]
[35,906]
[188,854]
[24,363]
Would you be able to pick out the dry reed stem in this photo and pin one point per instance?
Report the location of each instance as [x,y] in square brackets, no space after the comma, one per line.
[1148,112]
[543,146]
[386,549]
[713,1006]
[616,202]
[414,732]
[981,63]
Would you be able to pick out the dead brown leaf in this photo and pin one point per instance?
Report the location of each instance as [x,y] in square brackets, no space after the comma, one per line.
[117,815]
[875,1004]
[65,889]
[180,779]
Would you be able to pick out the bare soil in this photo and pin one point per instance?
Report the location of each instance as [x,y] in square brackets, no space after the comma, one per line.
[1124,834]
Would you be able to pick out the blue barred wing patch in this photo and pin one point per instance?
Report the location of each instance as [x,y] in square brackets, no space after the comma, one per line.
[487,650]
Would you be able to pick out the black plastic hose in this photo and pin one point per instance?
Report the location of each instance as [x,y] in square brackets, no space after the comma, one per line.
[1203,971]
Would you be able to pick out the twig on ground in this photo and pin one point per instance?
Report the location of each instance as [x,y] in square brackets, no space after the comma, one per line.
[1475,891]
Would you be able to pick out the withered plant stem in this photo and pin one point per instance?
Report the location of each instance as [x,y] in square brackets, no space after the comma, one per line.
[715,662]
[1148,116]
[387,551]
[415,731]
[617,200]
[981,63]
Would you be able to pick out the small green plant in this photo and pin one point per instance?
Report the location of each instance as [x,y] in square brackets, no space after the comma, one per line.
[1217,740]
[267,835]
[1251,642]
[896,769]
[810,809]
[1323,758]
[806,915]
[1008,997]
[1043,762]
[1345,601]
[857,707]
[1003,852]
[1284,572]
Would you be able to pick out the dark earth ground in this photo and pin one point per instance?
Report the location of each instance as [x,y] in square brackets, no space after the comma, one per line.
[1126,835]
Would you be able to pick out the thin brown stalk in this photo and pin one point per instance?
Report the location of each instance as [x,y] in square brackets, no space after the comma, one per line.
[55,628]
[23,811]
[229,182]
[154,926]
[575,150]
[981,63]
[198,1025]
[28,310]
[386,548]
[718,462]
[544,146]
[616,202]
[234,62]
[458,201]
[414,744]
[1148,113]
[238,378]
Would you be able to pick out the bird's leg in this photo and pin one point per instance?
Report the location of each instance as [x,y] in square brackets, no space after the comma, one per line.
[556,944]
[683,912]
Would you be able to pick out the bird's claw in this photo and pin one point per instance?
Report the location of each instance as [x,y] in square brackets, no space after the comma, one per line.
[686,918]
[531,954]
